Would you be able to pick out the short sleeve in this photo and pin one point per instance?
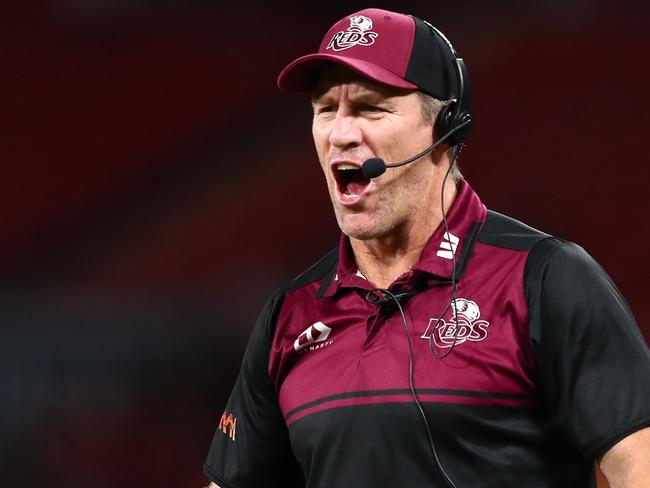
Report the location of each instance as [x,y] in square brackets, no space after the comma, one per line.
[251,446]
[593,362]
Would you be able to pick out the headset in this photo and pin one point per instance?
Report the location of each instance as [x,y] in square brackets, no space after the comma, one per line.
[453,123]
[456,118]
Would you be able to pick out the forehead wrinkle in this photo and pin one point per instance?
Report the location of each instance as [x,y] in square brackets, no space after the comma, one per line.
[357,92]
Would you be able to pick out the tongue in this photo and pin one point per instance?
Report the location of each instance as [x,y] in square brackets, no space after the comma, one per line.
[357,184]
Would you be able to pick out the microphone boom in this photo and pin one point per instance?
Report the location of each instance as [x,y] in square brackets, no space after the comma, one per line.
[374,167]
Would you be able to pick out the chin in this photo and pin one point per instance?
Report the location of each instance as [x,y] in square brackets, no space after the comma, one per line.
[360,235]
[360,227]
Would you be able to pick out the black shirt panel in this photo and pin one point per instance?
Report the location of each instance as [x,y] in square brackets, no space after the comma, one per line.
[257,451]
[396,452]
[505,232]
[593,362]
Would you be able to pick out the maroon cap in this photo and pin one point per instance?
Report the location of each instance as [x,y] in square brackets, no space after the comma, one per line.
[394,49]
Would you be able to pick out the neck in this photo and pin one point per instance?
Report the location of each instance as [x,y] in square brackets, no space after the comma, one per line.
[382,260]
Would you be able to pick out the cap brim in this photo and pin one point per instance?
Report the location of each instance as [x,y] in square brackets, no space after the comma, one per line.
[301,75]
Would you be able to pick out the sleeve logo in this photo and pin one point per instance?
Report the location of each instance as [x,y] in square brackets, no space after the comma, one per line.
[228,425]
[463,325]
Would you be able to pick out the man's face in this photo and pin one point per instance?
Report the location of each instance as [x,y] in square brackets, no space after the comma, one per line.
[355,120]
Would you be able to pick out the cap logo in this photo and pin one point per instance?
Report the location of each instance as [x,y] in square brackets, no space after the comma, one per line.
[358,34]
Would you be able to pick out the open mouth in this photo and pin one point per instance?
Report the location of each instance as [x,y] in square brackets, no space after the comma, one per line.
[350,180]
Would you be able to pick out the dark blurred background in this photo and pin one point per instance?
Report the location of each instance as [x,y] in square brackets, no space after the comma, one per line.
[156,188]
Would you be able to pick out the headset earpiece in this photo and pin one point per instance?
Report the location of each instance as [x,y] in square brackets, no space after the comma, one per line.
[444,123]
[448,119]
[457,116]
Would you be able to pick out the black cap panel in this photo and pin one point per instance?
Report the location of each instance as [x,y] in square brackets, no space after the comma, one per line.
[431,66]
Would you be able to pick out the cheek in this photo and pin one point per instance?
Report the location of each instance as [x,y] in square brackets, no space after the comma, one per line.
[390,150]
[405,190]
[320,145]
[319,133]
[403,145]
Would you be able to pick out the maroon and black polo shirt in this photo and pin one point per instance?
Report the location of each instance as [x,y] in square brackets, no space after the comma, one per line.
[546,369]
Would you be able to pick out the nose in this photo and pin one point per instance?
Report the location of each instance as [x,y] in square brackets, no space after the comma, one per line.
[345,131]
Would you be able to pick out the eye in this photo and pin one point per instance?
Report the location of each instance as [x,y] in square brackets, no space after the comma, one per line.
[369,108]
[323,109]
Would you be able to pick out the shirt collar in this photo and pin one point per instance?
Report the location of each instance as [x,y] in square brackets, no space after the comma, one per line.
[464,220]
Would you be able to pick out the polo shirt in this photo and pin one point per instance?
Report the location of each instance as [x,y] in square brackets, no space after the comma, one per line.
[526,360]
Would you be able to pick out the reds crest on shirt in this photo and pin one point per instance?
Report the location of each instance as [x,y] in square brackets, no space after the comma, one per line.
[358,34]
[463,325]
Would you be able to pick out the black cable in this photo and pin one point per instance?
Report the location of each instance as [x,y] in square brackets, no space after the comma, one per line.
[454,287]
[411,382]
[454,284]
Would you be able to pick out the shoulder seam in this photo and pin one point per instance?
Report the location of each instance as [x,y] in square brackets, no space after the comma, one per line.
[315,272]
[505,232]
[560,243]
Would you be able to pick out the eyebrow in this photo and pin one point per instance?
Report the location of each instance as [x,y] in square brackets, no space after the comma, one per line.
[365,96]
[370,96]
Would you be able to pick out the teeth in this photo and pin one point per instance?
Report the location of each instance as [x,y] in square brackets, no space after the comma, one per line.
[343,166]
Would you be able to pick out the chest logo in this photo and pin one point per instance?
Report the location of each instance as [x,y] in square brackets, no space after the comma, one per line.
[461,324]
[315,334]
[358,34]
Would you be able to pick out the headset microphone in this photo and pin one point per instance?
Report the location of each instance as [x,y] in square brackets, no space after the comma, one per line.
[374,167]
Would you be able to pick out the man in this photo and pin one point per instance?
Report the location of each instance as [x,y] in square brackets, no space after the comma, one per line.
[440,344]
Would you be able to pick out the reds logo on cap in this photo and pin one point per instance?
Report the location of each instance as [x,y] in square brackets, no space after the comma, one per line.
[358,34]
[405,53]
